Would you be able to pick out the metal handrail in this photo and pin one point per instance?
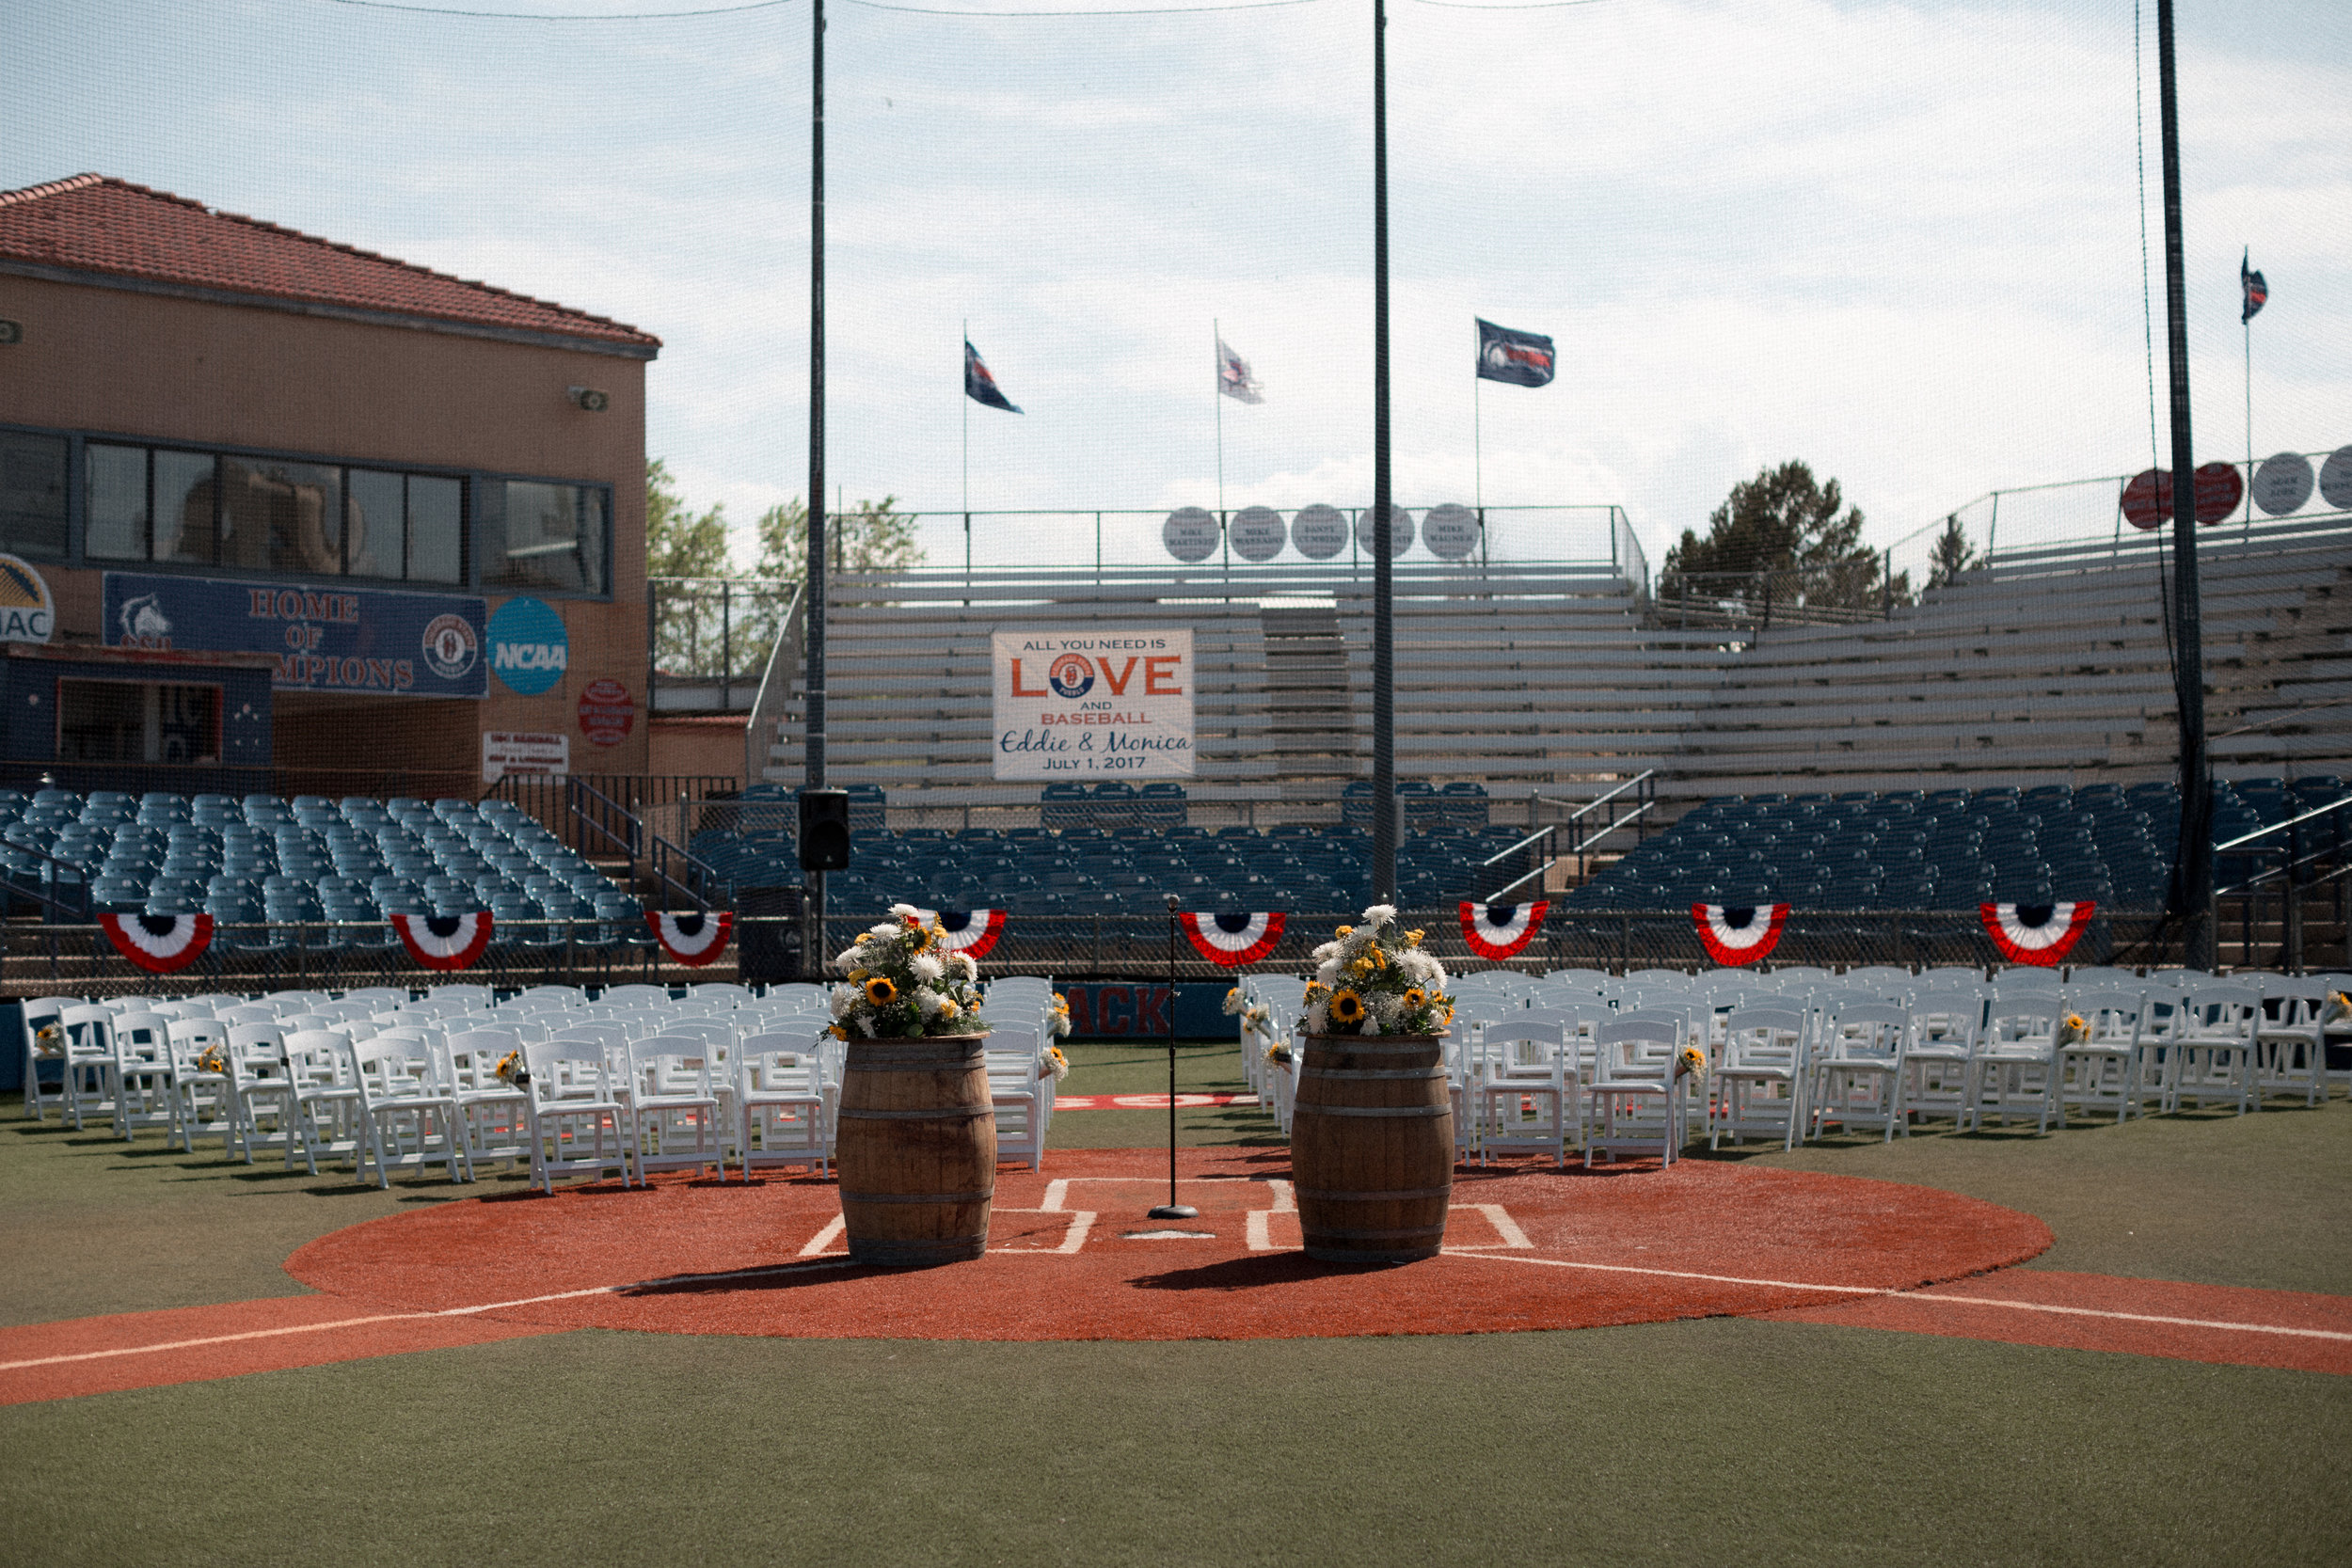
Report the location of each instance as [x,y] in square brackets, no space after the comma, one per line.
[662,852]
[57,907]
[1583,810]
[1635,814]
[2281,827]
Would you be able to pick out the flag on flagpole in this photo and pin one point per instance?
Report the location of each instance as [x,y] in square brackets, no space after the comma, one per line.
[1522,358]
[1232,376]
[2257,292]
[978,385]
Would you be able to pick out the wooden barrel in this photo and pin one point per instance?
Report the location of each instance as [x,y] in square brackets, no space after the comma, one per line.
[916,1150]
[1371,1148]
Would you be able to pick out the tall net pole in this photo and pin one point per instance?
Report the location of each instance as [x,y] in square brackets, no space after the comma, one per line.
[2192,883]
[1383,620]
[814,752]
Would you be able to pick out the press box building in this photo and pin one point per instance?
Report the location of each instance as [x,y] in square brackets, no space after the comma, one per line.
[284,505]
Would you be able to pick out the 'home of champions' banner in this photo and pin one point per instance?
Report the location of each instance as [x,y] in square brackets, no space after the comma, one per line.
[1086,706]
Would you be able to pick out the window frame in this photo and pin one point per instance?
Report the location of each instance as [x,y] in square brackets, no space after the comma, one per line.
[220,720]
[471,581]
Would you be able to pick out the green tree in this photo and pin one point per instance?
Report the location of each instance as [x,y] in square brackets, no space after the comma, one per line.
[874,537]
[692,633]
[1952,554]
[1785,543]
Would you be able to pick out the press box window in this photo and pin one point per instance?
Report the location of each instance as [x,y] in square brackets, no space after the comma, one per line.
[537,535]
[307,519]
[32,494]
[138,722]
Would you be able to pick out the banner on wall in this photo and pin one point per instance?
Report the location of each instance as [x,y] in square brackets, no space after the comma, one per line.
[540,755]
[1086,706]
[361,641]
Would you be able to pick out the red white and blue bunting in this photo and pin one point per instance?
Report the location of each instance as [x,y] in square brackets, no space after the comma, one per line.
[1230,941]
[1499,931]
[692,937]
[444,940]
[159,943]
[970,932]
[2036,933]
[1737,934]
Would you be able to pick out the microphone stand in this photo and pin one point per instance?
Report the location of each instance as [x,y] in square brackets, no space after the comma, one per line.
[1172,1210]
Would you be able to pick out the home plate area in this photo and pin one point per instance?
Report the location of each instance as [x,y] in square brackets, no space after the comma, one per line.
[1074,1255]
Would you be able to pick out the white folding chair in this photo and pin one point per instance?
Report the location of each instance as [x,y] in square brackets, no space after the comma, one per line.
[202,1104]
[1530,1095]
[577,1121]
[2291,1054]
[260,1095]
[2099,1071]
[1022,1096]
[782,1104]
[140,1080]
[326,1090]
[408,1115]
[2214,1048]
[2014,1060]
[46,1050]
[1636,1096]
[671,1099]
[1857,1070]
[493,1114]
[1759,1086]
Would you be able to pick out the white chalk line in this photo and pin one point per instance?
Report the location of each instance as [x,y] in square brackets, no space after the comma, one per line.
[1916,1296]
[400,1317]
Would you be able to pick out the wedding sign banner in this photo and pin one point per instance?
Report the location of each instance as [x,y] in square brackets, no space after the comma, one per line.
[1085,706]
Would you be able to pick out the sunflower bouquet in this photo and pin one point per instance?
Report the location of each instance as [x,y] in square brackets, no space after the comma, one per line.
[1690,1062]
[1375,979]
[511,1071]
[900,985]
[213,1059]
[2072,1028]
[2337,1008]
[49,1040]
[1052,1064]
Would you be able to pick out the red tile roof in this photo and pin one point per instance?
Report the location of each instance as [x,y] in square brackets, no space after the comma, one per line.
[95,223]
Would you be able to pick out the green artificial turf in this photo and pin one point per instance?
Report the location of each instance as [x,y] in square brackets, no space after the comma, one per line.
[1722,1441]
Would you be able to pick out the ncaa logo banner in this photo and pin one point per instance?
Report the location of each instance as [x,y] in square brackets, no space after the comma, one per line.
[530,649]
[1086,706]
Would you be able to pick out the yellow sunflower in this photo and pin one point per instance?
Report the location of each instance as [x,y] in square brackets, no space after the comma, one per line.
[1414,998]
[919,938]
[1413,939]
[1346,931]
[1346,1008]
[857,977]
[839,1033]
[879,991]
[1315,988]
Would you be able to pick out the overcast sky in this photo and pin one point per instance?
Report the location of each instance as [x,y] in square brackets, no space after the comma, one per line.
[1901,241]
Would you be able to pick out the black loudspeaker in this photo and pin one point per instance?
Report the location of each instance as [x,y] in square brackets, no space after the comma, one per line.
[769,940]
[824,829]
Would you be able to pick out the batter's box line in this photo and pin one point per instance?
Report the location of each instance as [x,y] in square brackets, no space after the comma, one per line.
[1081,1224]
[1058,1190]
[1259,1231]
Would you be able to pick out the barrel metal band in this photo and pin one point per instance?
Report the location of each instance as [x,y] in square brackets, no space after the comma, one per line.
[1403,1195]
[1415,1233]
[918,1063]
[918,1197]
[960,1113]
[1390,1074]
[1365,1110]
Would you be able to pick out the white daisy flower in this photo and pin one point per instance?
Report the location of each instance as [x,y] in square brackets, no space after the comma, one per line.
[927,968]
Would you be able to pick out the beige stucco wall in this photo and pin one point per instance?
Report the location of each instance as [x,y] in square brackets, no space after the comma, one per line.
[110,360]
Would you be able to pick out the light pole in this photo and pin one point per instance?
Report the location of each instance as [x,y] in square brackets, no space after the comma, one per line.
[1383,545]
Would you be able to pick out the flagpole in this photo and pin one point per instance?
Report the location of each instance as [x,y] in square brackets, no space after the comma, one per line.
[1216,392]
[1384,822]
[964,371]
[2246,325]
[813,747]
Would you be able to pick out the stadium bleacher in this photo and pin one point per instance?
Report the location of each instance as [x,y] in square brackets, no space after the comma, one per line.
[1944,849]
[263,861]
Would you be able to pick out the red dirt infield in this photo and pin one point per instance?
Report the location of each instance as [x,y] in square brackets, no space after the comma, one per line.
[1072,1256]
